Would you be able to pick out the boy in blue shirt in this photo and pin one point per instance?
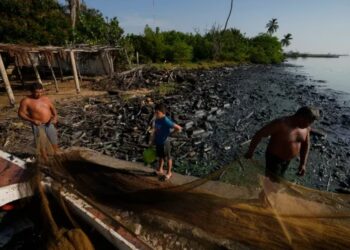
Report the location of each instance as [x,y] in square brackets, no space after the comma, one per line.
[163,126]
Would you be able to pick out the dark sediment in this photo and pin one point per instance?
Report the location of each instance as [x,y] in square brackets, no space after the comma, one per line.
[219,109]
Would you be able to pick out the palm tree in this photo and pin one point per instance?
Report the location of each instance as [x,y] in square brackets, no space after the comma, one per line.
[229,15]
[74,6]
[272,26]
[286,40]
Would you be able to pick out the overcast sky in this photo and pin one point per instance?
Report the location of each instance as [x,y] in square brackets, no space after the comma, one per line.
[318,26]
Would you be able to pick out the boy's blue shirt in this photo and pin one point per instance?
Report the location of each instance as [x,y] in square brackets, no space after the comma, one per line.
[162,127]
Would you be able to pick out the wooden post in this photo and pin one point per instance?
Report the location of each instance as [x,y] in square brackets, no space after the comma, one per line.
[75,73]
[35,69]
[103,63]
[7,82]
[19,71]
[60,67]
[127,57]
[52,72]
[110,63]
[78,70]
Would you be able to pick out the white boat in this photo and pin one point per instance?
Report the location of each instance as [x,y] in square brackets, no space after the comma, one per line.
[13,179]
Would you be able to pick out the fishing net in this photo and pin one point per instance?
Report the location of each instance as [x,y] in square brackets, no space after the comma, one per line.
[251,211]
[57,238]
[242,210]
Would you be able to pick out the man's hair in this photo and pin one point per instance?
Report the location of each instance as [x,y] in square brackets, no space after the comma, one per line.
[310,113]
[160,107]
[36,86]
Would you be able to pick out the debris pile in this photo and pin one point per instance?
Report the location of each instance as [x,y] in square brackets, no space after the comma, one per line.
[215,116]
[218,109]
[144,77]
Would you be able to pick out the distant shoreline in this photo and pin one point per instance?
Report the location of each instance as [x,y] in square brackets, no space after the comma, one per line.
[304,55]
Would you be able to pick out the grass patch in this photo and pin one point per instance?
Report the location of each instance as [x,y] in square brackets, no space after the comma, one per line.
[193,66]
[166,88]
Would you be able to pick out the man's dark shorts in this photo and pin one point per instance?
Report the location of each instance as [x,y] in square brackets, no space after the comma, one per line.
[275,167]
[49,130]
[164,151]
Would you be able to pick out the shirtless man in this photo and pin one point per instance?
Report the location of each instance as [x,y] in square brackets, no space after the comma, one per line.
[40,112]
[290,136]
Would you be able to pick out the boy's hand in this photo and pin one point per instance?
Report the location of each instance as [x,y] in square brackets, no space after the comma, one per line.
[177,128]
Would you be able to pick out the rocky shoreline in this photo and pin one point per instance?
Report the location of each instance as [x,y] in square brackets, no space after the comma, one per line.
[220,109]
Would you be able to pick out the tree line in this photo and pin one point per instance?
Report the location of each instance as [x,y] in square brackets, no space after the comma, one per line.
[44,22]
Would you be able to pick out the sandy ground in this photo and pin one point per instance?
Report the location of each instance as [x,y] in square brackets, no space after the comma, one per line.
[66,93]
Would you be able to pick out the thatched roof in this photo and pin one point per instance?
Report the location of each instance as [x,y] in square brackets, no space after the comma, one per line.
[22,53]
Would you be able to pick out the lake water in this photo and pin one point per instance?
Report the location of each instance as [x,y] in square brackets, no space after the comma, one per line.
[335,71]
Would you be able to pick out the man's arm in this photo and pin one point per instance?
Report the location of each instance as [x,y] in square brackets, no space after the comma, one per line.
[266,131]
[304,153]
[23,112]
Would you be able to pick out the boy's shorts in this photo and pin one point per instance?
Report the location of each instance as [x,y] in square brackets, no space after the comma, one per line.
[164,150]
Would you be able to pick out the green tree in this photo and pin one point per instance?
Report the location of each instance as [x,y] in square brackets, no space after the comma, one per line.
[235,47]
[182,52]
[286,40]
[93,28]
[39,22]
[266,49]
[114,32]
[272,26]
[202,47]
[154,44]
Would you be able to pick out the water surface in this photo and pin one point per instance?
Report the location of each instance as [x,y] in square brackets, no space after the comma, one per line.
[334,71]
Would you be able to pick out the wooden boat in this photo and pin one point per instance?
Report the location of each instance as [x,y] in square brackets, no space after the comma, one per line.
[207,215]
[14,186]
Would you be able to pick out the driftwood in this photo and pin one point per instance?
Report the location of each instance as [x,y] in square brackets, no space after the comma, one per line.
[124,73]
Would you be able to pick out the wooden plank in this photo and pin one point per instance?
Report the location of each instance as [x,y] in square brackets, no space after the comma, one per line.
[35,69]
[6,82]
[52,72]
[59,65]
[19,71]
[127,58]
[94,215]
[110,63]
[78,70]
[103,63]
[75,72]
